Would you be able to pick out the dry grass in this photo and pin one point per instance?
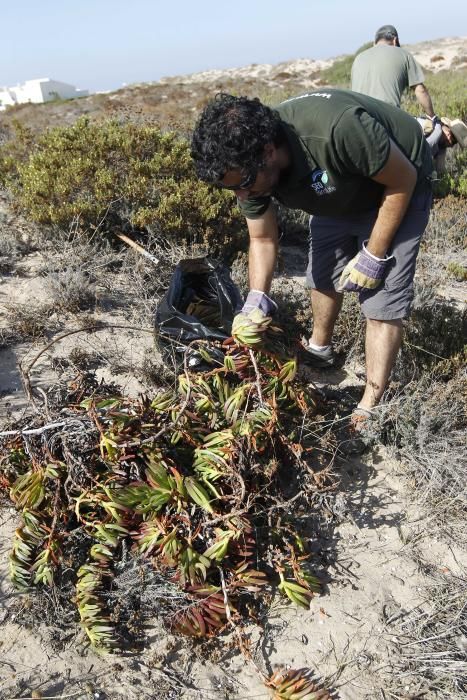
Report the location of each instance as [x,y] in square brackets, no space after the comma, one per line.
[26,322]
[446,228]
[432,640]
[434,337]
[71,290]
[77,267]
[138,586]
[426,426]
[443,253]
[13,246]
[144,282]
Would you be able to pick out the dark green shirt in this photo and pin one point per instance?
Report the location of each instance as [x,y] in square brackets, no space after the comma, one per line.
[338,140]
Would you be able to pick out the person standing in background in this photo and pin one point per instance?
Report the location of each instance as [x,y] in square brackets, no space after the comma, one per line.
[386,69]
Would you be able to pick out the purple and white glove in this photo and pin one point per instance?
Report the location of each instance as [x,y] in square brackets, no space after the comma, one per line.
[364,271]
[254,318]
[259,300]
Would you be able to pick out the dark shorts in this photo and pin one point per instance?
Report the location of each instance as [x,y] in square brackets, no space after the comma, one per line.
[334,241]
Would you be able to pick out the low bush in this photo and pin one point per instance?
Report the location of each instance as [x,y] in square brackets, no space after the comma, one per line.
[459,272]
[434,337]
[431,637]
[447,89]
[78,270]
[26,322]
[446,229]
[109,174]
[71,290]
[10,250]
[426,422]
[454,180]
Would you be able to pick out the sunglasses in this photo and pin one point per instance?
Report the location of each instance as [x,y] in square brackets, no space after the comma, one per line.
[244,185]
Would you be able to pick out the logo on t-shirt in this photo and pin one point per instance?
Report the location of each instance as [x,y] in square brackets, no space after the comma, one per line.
[326,95]
[320,182]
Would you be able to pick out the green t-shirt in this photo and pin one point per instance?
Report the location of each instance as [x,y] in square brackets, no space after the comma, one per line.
[385,72]
[338,140]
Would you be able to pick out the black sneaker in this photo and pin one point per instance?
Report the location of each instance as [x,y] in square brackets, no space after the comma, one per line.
[321,359]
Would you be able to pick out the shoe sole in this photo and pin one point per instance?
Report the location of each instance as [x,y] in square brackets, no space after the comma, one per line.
[352,448]
[312,360]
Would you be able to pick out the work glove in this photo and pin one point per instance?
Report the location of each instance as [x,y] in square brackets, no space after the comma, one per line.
[427,125]
[253,320]
[364,271]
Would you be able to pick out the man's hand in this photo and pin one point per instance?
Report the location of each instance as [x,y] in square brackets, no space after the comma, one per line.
[364,271]
[424,99]
[253,320]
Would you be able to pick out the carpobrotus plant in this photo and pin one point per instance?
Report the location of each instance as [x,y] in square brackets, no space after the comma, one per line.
[189,480]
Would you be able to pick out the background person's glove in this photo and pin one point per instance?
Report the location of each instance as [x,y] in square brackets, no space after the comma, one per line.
[364,271]
[427,125]
[254,318]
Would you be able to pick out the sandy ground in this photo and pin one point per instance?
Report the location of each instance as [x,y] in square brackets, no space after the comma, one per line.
[347,635]
[372,547]
[302,69]
[435,55]
[442,54]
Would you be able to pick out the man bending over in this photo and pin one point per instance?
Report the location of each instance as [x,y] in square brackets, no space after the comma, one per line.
[361,168]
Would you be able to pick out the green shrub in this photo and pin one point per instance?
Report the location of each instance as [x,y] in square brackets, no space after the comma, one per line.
[454,180]
[459,272]
[109,174]
[447,89]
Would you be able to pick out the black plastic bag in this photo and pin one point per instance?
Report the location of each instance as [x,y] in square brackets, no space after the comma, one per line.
[200,304]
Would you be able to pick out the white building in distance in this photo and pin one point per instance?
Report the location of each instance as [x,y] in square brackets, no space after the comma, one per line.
[39,90]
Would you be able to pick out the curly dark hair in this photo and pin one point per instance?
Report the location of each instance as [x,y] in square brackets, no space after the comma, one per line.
[231,134]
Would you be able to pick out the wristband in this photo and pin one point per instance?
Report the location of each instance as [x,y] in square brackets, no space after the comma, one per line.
[375,257]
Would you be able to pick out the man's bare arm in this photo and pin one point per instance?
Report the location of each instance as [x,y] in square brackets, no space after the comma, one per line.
[424,99]
[263,249]
[399,177]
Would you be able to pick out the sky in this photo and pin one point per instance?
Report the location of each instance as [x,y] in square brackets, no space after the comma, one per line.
[102,44]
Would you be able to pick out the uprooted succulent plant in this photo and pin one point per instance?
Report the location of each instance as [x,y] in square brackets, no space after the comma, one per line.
[186,481]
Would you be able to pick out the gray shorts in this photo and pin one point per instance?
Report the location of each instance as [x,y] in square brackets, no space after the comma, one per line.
[334,241]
